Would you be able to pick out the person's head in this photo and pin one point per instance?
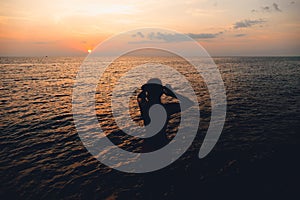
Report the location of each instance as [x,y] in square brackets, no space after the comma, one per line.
[154,86]
[154,81]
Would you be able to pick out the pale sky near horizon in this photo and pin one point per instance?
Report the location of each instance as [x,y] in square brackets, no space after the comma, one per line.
[72,27]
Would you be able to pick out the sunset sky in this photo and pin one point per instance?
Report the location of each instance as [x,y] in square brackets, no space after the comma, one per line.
[228,27]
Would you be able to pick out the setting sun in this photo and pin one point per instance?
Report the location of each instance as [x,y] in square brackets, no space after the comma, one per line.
[73,28]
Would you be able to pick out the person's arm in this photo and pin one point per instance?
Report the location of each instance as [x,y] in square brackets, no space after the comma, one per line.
[142,97]
[187,102]
[169,92]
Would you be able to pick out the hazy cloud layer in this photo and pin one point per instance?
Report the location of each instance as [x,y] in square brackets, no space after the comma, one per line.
[247,23]
[45,42]
[204,35]
[240,35]
[177,37]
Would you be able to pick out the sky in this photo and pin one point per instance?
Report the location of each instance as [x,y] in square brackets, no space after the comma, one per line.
[223,28]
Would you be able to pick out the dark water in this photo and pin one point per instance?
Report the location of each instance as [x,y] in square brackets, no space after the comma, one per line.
[42,156]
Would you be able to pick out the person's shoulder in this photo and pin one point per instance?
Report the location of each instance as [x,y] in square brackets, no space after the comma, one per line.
[144,87]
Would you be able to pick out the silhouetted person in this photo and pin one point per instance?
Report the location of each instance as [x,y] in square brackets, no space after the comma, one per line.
[151,94]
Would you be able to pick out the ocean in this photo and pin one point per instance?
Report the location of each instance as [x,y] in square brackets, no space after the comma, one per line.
[42,156]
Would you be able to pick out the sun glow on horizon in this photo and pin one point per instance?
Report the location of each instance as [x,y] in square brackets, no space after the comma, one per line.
[40,27]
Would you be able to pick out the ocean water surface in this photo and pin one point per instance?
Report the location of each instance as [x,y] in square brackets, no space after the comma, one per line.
[42,156]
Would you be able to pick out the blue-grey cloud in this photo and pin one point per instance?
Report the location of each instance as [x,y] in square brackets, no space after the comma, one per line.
[170,37]
[240,35]
[138,34]
[266,8]
[167,37]
[270,8]
[276,7]
[247,23]
[203,35]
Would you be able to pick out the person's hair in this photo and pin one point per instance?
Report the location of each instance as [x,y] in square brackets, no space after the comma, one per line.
[154,81]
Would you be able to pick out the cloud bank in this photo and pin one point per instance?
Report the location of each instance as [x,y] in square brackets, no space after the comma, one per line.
[247,23]
[177,37]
